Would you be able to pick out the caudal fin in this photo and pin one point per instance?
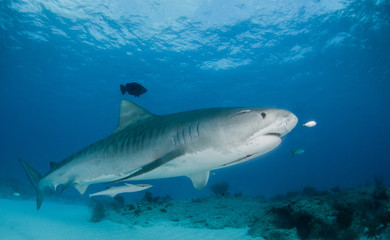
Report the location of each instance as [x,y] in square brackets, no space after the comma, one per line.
[34,177]
[123,89]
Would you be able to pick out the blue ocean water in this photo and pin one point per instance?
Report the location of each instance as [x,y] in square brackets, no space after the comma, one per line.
[61,64]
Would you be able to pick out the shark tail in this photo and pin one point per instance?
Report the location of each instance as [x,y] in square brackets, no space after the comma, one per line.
[34,177]
[292,154]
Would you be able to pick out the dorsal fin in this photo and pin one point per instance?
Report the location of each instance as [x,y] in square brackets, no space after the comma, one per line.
[131,113]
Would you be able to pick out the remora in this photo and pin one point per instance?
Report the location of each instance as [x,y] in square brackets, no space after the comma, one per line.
[149,146]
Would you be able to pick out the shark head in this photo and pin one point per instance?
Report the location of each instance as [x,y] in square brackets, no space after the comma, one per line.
[269,121]
[251,132]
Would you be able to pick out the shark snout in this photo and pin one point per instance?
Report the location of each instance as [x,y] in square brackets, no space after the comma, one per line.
[285,122]
[290,121]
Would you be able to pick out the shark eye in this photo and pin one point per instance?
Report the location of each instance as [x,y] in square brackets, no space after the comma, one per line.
[263,115]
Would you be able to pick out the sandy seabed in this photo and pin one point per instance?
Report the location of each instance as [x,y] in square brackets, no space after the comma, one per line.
[21,220]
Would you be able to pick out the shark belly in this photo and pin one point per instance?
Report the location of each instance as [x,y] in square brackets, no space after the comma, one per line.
[211,159]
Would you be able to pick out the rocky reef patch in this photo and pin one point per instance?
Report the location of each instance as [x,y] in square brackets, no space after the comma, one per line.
[338,214]
[358,213]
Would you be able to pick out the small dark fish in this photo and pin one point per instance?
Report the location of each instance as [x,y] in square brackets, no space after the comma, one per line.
[134,89]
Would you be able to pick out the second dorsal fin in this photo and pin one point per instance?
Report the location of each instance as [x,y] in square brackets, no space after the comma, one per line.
[131,113]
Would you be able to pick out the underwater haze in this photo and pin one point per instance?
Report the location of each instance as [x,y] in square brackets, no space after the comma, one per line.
[62,62]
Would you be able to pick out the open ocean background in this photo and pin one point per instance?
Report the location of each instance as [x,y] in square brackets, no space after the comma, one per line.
[61,64]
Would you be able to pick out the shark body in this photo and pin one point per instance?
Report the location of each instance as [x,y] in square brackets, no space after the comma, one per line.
[148,146]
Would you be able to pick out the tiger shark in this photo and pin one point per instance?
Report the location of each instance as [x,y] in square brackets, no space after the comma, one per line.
[149,146]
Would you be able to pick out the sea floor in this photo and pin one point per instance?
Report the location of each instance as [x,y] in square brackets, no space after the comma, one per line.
[350,214]
[19,219]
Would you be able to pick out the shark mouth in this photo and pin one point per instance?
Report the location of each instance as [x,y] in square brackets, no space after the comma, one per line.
[270,136]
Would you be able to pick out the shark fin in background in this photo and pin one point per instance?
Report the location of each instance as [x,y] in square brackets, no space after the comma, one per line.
[81,188]
[199,180]
[34,178]
[131,113]
[153,165]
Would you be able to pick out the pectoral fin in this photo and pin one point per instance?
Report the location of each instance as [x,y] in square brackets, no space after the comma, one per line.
[153,165]
[199,180]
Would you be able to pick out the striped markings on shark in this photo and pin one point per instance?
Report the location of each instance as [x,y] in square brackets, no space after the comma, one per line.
[148,146]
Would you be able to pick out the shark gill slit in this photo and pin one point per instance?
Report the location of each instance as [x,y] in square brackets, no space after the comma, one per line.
[184,137]
[126,144]
[147,137]
[161,131]
[158,132]
[139,142]
[189,132]
[135,143]
[177,136]
[197,128]
[122,144]
[194,131]
[108,146]
[103,146]
[176,140]
[154,132]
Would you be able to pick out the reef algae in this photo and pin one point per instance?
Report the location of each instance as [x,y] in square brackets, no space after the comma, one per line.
[339,215]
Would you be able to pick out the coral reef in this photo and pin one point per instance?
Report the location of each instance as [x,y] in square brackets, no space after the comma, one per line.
[98,212]
[220,189]
[310,214]
[340,214]
[99,208]
[210,212]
